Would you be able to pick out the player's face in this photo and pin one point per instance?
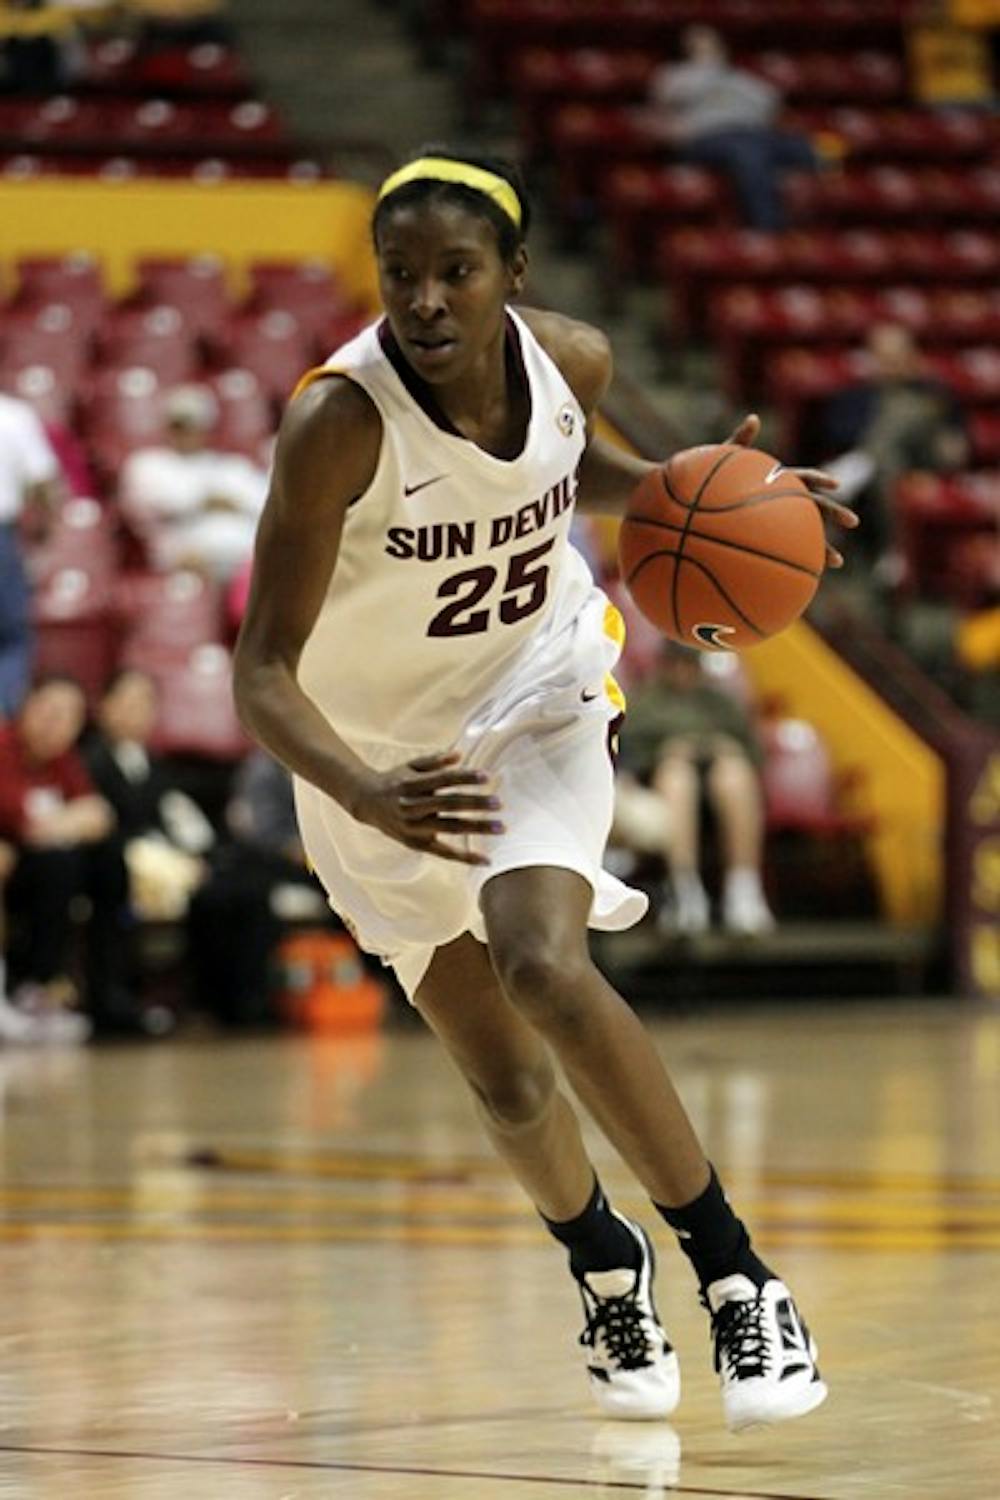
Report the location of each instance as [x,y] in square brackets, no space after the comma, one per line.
[444,287]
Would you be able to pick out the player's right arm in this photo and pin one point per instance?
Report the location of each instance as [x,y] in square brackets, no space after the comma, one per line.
[326,457]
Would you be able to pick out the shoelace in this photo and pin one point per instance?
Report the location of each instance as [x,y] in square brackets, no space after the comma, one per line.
[619,1319]
[741,1340]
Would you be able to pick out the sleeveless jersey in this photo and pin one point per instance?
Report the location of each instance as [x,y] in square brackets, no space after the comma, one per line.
[455,567]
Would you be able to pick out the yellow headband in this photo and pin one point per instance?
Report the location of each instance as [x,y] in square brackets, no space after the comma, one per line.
[443,169]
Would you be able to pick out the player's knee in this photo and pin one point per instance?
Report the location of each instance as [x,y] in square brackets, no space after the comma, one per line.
[519,1097]
[544,981]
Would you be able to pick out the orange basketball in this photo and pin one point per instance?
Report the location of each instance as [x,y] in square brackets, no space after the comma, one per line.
[722,547]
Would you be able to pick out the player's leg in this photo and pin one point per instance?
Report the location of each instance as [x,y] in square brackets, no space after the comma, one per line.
[633,1370]
[677,781]
[734,791]
[536,925]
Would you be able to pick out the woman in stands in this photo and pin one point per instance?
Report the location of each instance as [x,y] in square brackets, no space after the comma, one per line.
[428,654]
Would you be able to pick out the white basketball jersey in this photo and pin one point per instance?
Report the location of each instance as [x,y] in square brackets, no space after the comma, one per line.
[455,566]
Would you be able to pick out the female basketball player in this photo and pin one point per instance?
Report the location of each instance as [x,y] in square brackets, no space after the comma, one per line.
[428,654]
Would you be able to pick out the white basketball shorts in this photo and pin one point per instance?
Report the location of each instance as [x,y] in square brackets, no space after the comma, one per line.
[545,741]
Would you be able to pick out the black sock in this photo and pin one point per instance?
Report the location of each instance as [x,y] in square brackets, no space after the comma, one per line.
[713,1238]
[595,1239]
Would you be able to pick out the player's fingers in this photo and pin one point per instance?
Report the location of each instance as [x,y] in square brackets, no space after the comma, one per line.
[435,781]
[433,762]
[833,557]
[424,807]
[467,825]
[817,479]
[842,514]
[746,431]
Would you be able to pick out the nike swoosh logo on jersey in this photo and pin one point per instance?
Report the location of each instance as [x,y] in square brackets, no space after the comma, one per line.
[411,489]
[586,697]
[773,473]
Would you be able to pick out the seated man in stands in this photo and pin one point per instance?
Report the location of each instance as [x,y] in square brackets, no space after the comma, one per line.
[66,846]
[686,739]
[193,506]
[717,115]
[165,834]
[898,420]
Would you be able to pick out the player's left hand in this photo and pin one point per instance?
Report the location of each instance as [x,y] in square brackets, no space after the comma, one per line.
[818,483]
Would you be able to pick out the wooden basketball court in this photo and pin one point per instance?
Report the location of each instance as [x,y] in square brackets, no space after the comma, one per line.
[276,1269]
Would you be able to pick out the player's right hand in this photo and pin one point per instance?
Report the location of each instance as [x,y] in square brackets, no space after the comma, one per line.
[422,802]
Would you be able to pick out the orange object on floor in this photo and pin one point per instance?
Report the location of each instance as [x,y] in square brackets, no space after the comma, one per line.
[324,985]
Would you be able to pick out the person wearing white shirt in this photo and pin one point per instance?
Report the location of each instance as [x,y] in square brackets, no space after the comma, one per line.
[192,505]
[29,474]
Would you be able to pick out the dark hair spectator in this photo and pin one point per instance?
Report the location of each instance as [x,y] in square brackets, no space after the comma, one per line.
[63,833]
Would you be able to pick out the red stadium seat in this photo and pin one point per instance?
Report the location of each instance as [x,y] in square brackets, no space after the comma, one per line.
[43,388]
[195,285]
[49,122]
[273,345]
[919,136]
[748,321]
[121,412]
[75,280]
[196,713]
[74,573]
[205,71]
[948,530]
[164,616]
[246,414]
[158,338]
[81,536]
[800,786]
[984,434]
[640,201]
[693,260]
[307,288]
[248,125]
[896,195]
[51,334]
[863,77]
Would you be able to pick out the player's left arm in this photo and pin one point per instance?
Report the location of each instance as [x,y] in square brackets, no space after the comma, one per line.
[608,474]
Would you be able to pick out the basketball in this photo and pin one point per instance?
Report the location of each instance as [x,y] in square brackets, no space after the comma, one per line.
[721,547]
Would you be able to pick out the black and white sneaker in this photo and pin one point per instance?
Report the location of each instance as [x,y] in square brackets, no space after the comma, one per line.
[765,1356]
[633,1370]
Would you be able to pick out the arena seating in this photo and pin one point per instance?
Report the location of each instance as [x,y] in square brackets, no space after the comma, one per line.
[948,531]
[693,262]
[747,323]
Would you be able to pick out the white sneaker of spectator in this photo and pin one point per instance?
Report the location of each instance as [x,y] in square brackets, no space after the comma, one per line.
[744,905]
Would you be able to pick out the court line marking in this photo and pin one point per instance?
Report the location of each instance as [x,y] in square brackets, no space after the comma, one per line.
[458,1169]
[804,1236]
[415,1471]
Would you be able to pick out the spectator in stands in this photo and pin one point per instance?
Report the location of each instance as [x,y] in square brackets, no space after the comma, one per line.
[898,420]
[29,475]
[165,834]
[35,46]
[259,881]
[64,836]
[716,115]
[686,738]
[192,505]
